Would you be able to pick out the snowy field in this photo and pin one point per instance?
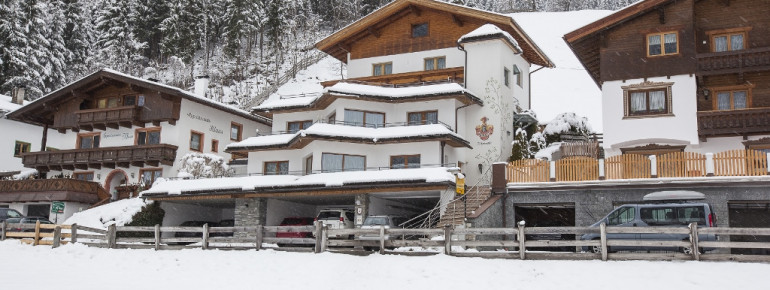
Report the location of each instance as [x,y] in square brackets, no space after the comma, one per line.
[80,267]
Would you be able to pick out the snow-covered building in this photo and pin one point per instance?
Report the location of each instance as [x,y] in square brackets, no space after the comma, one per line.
[431,86]
[124,132]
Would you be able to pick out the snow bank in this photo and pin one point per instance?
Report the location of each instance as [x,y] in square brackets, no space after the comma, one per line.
[489,30]
[26,174]
[118,213]
[547,152]
[564,122]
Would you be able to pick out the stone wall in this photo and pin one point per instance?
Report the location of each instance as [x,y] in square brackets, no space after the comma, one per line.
[249,212]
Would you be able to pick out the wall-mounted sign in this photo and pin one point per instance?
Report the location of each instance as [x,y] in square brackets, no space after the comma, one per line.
[197,117]
[215,129]
[124,136]
[484,130]
[57,207]
[460,188]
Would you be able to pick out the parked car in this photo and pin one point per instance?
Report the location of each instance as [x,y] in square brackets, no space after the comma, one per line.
[223,223]
[295,221]
[376,222]
[648,215]
[191,234]
[14,224]
[337,219]
[549,236]
[6,213]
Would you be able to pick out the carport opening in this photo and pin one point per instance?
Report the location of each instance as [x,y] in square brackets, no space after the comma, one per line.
[547,215]
[749,215]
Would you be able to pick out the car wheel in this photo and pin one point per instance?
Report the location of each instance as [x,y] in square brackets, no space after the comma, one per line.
[596,249]
[368,249]
[688,250]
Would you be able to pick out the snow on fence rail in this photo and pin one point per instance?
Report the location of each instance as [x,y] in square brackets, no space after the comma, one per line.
[514,243]
[634,166]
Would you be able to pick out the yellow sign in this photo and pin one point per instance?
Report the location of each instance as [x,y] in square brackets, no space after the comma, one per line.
[460,182]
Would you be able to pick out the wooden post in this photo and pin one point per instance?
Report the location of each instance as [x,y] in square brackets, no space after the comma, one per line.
[603,237]
[2,231]
[74,233]
[157,237]
[324,237]
[710,165]
[317,233]
[56,237]
[382,240]
[448,239]
[112,237]
[37,234]
[205,237]
[694,241]
[260,237]
[522,248]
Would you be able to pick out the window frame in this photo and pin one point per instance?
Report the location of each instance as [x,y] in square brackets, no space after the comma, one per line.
[748,88]
[647,87]
[88,135]
[364,124]
[308,165]
[435,63]
[200,142]
[662,43]
[121,101]
[234,124]
[382,65]
[277,166]
[518,75]
[146,136]
[506,77]
[415,25]
[342,169]
[151,169]
[75,175]
[215,145]
[21,150]
[423,117]
[713,34]
[301,125]
[406,161]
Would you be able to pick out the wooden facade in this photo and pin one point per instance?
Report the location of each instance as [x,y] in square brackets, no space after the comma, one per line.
[97,158]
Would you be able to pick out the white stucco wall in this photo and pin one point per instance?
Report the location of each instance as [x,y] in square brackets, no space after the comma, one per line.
[681,128]
[17,131]
[405,62]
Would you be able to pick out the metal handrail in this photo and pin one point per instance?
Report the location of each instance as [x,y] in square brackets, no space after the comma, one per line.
[303,173]
[354,124]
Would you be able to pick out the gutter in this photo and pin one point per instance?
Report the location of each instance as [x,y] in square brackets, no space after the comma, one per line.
[529,86]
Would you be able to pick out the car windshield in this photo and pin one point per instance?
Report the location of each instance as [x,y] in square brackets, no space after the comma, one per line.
[10,213]
[376,221]
[328,215]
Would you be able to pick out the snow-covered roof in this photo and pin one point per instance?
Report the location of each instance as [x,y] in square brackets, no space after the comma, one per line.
[487,31]
[369,90]
[347,132]
[6,105]
[272,182]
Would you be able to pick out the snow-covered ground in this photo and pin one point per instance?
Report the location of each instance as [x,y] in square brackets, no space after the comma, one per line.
[83,268]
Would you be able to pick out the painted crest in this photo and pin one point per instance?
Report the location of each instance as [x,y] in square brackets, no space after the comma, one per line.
[484,130]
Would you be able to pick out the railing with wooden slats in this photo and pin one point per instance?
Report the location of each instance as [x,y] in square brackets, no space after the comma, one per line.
[627,166]
[682,164]
[740,163]
[108,115]
[734,122]
[528,170]
[738,61]
[587,149]
[39,234]
[164,153]
[577,169]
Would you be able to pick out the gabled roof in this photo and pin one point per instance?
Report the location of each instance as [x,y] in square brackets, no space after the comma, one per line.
[333,44]
[105,76]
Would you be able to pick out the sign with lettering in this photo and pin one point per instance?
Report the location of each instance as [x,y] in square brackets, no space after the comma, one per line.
[216,130]
[198,117]
[57,207]
[124,136]
[460,182]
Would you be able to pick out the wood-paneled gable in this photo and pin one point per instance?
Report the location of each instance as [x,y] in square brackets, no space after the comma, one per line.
[713,15]
[624,50]
[760,91]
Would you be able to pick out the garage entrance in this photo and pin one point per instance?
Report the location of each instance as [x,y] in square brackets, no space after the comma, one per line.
[547,215]
[749,215]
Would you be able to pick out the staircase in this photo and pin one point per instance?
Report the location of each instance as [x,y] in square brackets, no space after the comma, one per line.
[458,209]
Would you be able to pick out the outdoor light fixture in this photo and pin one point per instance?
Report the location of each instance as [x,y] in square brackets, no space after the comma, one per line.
[132,175]
[481,168]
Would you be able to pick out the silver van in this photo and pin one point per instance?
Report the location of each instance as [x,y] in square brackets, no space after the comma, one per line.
[654,215]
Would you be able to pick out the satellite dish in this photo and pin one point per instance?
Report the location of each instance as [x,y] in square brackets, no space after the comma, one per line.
[674,195]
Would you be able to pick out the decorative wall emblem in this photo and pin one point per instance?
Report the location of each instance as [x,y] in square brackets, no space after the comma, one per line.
[484,130]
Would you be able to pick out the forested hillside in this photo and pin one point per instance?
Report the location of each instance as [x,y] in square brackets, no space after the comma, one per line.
[243,45]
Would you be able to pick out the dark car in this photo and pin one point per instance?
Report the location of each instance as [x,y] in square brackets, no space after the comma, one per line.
[6,213]
[196,224]
[14,224]
[223,223]
[295,221]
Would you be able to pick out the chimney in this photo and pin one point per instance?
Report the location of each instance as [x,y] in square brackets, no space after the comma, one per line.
[201,85]
[18,95]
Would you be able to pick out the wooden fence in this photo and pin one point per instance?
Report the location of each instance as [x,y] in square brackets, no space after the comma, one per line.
[489,242]
[38,234]
[635,166]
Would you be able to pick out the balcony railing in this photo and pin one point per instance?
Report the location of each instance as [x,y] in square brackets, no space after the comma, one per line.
[97,157]
[358,124]
[109,117]
[92,190]
[734,122]
[740,61]
[455,74]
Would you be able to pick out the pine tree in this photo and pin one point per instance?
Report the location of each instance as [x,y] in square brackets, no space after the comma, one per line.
[117,45]
[57,54]
[78,39]
[25,50]
[148,16]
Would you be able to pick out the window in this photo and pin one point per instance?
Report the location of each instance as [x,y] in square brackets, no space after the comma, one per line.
[664,216]
[309,165]
[420,30]
[277,168]
[506,77]
[196,141]
[379,69]
[332,118]
[214,145]
[666,43]
[149,176]
[117,101]
[732,100]
[236,131]
[87,176]
[621,216]
[293,127]
[729,39]
[435,63]
[21,147]
[517,74]
[88,140]
[331,162]
[647,99]
[423,118]
[364,119]
[405,161]
[148,136]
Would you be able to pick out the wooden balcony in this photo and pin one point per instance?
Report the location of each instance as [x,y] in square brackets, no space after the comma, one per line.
[741,61]
[63,189]
[108,118]
[734,123]
[455,74]
[97,158]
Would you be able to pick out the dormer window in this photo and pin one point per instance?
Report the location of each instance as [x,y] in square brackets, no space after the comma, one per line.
[660,44]
[420,30]
[379,69]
